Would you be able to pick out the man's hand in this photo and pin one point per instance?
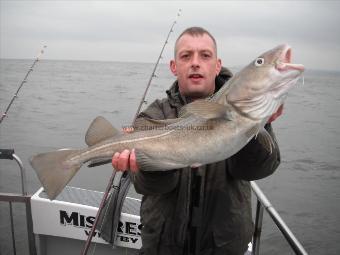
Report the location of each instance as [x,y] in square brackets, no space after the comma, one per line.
[126,160]
[276,115]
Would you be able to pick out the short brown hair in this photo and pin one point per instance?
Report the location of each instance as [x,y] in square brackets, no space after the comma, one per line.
[195,31]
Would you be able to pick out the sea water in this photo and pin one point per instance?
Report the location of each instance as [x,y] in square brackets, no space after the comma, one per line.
[61,98]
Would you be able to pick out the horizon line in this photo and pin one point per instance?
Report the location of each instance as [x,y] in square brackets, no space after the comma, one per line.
[141,62]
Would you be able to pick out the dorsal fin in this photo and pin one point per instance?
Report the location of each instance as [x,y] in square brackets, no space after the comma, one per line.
[206,110]
[100,129]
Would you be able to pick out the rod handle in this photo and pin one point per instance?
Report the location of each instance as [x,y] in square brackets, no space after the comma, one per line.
[6,154]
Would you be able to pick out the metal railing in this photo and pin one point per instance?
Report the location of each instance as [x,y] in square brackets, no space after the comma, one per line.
[264,203]
[11,198]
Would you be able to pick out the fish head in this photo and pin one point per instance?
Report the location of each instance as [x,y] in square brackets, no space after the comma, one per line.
[260,88]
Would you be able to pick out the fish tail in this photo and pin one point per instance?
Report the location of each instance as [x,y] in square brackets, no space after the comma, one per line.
[55,170]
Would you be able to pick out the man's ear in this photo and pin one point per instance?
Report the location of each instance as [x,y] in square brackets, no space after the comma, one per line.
[218,66]
[173,67]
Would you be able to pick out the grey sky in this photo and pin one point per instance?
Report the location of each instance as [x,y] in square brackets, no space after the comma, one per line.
[135,31]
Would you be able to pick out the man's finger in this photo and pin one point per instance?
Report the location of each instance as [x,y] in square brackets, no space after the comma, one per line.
[115,160]
[133,162]
[123,161]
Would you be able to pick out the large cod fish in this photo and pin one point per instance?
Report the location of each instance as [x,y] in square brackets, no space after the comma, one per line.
[206,131]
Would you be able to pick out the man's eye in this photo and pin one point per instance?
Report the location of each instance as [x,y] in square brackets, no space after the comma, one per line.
[185,56]
[259,61]
[206,55]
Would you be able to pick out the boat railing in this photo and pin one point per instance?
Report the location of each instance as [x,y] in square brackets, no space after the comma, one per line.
[263,203]
[11,198]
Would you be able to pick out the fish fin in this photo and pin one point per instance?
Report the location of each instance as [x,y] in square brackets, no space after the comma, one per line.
[253,131]
[206,109]
[54,170]
[100,129]
[149,164]
[266,140]
[98,162]
[145,123]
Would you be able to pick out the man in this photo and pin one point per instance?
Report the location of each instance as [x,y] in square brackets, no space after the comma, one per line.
[206,210]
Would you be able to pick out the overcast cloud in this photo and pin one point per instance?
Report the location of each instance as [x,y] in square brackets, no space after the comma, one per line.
[135,31]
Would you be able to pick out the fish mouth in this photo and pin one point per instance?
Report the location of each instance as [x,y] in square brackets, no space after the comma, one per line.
[288,72]
[284,62]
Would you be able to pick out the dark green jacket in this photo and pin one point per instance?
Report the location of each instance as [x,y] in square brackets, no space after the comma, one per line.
[167,211]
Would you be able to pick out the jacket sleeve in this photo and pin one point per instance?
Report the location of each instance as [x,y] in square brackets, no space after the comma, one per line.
[254,161]
[159,182]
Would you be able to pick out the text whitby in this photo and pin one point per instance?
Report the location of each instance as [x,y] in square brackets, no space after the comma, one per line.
[127,232]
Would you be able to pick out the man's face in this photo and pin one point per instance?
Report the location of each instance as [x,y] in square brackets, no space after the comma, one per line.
[196,66]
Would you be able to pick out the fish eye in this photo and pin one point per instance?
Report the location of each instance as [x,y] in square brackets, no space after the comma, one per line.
[259,61]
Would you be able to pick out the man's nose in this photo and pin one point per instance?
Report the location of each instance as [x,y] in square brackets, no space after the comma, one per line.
[195,62]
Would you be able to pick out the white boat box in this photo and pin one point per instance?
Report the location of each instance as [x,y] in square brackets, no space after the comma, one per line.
[72,214]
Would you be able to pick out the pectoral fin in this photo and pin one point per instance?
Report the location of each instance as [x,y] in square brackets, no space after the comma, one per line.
[262,135]
[266,140]
[254,131]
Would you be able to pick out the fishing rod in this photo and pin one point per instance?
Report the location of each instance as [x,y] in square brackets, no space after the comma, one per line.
[5,114]
[155,67]
[117,176]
